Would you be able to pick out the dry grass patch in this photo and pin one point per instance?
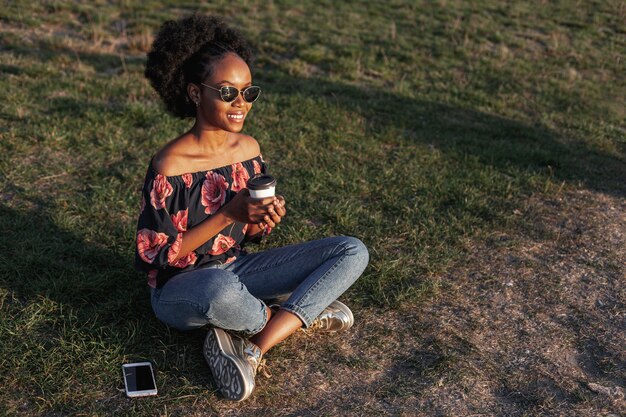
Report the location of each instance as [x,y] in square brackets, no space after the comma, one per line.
[536,319]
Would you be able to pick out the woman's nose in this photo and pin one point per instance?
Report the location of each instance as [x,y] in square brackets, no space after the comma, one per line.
[239,101]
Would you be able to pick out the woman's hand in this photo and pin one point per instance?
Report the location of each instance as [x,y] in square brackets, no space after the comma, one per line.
[243,208]
[275,214]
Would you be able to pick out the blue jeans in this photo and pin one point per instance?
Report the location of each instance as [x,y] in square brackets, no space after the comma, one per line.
[309,275]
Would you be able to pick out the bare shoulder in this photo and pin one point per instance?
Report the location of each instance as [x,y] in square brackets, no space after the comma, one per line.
[172,159]
[181,156]
[168,164]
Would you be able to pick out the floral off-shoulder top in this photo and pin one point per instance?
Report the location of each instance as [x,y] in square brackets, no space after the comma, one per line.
[171,205]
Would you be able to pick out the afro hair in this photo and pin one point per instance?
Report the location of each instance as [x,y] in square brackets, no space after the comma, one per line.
[184,51]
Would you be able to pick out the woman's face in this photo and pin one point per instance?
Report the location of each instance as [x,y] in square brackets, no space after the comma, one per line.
[231,70]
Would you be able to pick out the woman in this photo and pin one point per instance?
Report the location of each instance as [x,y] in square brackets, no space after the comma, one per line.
[197,213]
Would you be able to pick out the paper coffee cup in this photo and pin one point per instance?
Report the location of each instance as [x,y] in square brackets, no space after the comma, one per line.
[262,186]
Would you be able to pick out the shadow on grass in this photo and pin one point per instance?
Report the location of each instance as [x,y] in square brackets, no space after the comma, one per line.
[495,141]
[501,143]
[82,306]
[49,50]
[42,259]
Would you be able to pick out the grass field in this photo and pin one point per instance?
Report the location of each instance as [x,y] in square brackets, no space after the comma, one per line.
[463,142]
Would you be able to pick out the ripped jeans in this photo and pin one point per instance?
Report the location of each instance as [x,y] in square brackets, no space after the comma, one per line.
[232,296]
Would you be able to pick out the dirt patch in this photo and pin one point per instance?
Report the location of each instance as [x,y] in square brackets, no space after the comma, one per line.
[529,324]
[537,319]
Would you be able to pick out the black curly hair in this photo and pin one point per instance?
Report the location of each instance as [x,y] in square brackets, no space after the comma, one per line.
[184,51]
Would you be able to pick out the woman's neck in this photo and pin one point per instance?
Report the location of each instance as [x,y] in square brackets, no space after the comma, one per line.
[209,138]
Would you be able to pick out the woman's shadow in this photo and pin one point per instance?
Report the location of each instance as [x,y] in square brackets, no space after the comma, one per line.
[78,297]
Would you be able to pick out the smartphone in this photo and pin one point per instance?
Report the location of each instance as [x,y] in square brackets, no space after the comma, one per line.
[139,379]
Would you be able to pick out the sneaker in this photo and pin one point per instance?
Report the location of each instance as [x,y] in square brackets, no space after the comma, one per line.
[336,317]
[233,362]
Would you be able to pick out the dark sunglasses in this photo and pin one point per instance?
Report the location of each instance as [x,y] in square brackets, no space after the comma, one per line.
[229,94]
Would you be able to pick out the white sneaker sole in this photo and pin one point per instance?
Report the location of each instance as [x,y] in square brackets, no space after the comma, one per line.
[229,371]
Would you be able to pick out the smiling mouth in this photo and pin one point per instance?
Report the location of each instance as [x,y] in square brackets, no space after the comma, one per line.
[235,117]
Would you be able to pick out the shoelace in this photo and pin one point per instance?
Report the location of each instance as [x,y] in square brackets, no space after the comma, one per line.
[315,324]
[263,369]
[261,365]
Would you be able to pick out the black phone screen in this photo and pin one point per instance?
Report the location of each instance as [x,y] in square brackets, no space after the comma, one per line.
[139,378]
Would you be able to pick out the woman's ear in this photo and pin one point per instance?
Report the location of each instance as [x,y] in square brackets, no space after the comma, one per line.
[194,93]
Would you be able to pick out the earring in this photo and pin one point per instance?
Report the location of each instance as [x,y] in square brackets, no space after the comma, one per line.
[197,103]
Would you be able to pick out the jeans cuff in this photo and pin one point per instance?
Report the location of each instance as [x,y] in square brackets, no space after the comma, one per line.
[298,311]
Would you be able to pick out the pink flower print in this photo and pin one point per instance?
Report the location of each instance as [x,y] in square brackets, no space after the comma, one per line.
[161,189]
[221,244]
[213,192]
[186,260]
[257,167]
[187,179]
[174,249]
[180,220]
[231,259]
[152,276]
[149,244]
[240,176]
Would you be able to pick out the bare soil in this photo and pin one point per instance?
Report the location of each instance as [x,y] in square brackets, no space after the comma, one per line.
[531,323]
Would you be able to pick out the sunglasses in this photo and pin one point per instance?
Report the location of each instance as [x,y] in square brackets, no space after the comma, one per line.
[229,94]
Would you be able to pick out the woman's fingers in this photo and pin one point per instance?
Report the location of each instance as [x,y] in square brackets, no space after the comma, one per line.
[279,205]
[268,211]
[276,218]
[268,221]
[259,208]
[281,210]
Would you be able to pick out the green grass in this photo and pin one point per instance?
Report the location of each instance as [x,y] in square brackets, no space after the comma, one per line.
[415,126]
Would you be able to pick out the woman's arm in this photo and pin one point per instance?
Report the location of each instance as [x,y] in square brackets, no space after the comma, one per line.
[241,208]
[195,237]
